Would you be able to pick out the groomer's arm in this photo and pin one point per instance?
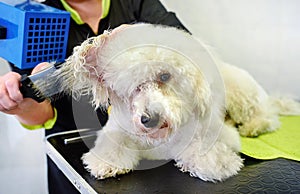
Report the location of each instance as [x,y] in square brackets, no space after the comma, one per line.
[26,110]
[153,11]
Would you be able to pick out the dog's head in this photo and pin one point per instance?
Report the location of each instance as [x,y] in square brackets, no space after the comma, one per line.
[160,86]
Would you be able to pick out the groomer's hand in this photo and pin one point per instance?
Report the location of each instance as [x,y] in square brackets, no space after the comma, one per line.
[10,95]
[27,110]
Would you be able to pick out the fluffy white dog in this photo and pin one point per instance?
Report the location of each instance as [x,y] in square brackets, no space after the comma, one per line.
[168,102]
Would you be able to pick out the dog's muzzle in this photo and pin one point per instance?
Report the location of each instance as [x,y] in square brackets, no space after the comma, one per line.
[154,126]
[150,120]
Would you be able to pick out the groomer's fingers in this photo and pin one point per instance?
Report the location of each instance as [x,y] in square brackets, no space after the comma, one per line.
[91,63]
[91,56]
[91,53]
[40,67]
[121,27]
[6,104]
[10,93]
[13,87]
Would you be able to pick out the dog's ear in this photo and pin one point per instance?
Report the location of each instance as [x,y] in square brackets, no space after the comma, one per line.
[82,73]
[202,94]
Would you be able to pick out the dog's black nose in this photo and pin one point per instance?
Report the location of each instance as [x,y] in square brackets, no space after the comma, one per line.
[150,120]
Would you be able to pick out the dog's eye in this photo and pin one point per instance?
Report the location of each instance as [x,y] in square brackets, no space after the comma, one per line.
[164,77]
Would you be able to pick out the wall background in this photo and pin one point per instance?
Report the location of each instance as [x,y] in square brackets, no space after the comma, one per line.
[262,36]
[22,155]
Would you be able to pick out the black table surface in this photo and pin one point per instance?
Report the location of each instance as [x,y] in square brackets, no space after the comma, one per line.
[258,176]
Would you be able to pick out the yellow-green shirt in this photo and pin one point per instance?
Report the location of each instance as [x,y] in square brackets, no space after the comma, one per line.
[76,17]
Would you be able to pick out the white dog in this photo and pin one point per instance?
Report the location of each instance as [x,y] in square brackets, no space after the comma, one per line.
[168,102]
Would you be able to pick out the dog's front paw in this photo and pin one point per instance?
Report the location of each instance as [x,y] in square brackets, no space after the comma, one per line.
[101,169]
[217,164]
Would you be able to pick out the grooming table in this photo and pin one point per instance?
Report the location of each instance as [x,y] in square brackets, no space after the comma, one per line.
[258,176]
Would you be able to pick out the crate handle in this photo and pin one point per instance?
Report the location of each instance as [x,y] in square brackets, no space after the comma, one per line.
[3,32]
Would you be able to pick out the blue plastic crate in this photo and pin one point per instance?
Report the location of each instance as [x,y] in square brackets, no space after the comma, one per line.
[34,33]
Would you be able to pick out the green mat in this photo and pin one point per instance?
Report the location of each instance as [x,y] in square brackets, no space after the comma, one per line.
[282,143]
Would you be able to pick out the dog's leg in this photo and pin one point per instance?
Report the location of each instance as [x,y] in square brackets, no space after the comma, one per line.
[111,155]
[251,115]
[258,124]
[247,103]
[219,163]
[266,117]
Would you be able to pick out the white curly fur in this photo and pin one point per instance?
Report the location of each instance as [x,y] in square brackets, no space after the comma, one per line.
[186,109]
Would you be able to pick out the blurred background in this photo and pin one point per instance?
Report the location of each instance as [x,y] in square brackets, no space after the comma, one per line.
[22,155]
[261,36]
